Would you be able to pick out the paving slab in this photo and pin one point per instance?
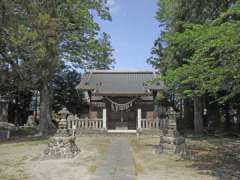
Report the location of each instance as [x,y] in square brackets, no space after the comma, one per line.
[119,162]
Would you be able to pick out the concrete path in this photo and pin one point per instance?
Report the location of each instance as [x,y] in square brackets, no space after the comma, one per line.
[119,164]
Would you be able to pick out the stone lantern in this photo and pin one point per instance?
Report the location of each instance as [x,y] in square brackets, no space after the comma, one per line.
[171,141]
[64,113]
[63,121]
[172,114]
[62,144]
[172,122]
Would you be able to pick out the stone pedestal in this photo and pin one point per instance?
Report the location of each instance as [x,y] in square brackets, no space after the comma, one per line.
[171,144]
[170,140]
[60,147]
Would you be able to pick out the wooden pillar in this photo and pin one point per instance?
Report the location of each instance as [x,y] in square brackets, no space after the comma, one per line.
[121,116]
[104,119]
[157,123]
[139,118]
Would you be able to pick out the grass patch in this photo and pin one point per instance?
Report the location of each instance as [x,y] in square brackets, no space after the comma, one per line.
[136,149]
[216,154]
[146,158]
[138,167]
[13,177]
[93,151]
[101,146]
[92,168]
[38,142]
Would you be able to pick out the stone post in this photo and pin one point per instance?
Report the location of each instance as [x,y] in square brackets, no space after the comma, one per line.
[139,119]
[104,119]
[3,110]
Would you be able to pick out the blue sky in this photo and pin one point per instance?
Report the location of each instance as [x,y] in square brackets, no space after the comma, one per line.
[133,29]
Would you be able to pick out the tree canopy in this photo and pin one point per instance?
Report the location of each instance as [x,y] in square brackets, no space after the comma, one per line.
[37,36]
[203,55]
[198,52]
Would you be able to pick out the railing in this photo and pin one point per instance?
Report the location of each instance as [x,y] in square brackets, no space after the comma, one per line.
[98,123]
[154,123]
[85,123]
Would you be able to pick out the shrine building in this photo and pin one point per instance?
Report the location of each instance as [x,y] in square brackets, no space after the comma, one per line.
[123,99]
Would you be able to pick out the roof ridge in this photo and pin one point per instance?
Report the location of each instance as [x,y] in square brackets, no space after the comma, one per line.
[122,71]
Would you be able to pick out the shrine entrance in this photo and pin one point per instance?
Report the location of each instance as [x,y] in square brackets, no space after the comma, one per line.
[124,120]
[121,112]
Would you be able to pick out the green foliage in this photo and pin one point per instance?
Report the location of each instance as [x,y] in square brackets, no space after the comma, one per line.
[38,36]
[65,93]
[201,52]
[100,56]
[156,54]
[175,13]
[35,36]
[212,62]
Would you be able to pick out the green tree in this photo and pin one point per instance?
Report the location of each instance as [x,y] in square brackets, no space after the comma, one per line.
[195,53]
[65,93]
[101,54]
[41,35]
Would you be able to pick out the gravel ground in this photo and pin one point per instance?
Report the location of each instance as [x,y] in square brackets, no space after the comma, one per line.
[120,157]
[20,160]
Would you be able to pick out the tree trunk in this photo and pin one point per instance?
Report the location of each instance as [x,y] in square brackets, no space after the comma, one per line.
[45,108]
[198,115]
[213,114]
[227,116]
[188,114]
[238,117]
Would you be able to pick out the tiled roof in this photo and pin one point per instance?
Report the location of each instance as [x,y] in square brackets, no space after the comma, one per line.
[119,82]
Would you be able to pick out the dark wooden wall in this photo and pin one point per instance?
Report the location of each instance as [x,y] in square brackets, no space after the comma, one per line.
[129,115]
